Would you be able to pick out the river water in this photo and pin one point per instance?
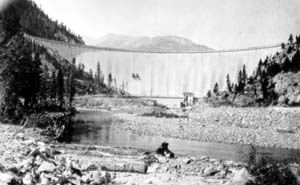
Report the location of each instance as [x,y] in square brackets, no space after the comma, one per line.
[95,127]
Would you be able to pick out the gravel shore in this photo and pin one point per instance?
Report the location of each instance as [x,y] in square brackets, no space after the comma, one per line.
[266,127]
[275,127]
[28,158]
[213,129]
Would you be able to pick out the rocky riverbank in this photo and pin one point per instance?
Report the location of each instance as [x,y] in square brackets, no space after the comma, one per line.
[28,158]
[233,126]
[266,127]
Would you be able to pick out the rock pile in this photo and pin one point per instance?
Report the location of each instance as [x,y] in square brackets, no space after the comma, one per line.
[210,170]
[43,165]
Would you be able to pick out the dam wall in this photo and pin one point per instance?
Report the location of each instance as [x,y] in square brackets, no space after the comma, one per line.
[164,74]
[171,74]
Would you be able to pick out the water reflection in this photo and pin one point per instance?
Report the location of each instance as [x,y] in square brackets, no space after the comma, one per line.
[97,127]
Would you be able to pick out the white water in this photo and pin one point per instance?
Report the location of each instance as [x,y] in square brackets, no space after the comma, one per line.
[171,74]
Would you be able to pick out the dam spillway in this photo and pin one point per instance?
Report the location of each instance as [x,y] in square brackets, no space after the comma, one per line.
[164,74]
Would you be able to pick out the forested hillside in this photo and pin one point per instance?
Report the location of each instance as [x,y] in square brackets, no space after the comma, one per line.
[35,22]
[32,78]
[276,80]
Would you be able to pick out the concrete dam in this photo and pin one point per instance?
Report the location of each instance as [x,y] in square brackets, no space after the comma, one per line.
[163,74]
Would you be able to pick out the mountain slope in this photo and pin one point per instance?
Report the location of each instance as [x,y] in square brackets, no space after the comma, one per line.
[37,23]
[151,44]
[275,81]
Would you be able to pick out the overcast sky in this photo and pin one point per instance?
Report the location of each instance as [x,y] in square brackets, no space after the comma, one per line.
[220,24]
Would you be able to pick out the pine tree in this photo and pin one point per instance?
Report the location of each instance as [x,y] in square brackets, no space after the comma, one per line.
[98,76]
[91,77]
[44,90]
[298,40]
[22,72]
[208,94]
[74,62]
[60,88]
[229,87]
[291,39]
[36,73]
[110,80]
[240,82]
[295,63]
[259,69]
[53,87]
[216,88]
[286,67]
[71,85]
[9,24]
[244,75]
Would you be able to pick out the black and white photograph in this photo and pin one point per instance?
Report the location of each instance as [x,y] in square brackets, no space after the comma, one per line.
[149,92]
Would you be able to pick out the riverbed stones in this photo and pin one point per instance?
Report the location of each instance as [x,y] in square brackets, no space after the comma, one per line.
[153,168]
[26,164]
[256,126]
[241,176]
[46,167]
[210,170]
[28,179]
[44,180]
[7,177]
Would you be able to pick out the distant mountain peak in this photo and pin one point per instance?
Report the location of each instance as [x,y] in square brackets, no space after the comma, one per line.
[168,43]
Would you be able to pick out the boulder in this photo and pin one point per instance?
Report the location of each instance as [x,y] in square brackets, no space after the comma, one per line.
[44,179]
[161,159]
[86,178]
[28,179]
[6,178]
[188,160]
[153,168]
[46,167]
[241,176]
[27,163]
[210,170]
[96,177]
[204,158]
[38,161]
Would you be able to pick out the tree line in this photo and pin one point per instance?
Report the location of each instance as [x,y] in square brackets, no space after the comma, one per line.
[36,22]
[94,82]
[29,86]
[259,86]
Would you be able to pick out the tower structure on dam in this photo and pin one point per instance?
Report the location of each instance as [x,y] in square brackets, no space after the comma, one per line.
[164,74]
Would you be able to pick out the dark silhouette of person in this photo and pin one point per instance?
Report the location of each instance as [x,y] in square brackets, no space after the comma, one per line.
[164,150]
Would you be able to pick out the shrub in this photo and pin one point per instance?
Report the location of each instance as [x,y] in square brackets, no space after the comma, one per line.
[267,171]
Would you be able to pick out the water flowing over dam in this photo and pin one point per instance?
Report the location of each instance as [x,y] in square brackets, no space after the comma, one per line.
[164,74]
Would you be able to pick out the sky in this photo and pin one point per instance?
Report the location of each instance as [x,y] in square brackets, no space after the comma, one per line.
[219,24]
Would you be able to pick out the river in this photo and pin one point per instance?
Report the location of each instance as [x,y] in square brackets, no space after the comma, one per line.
[95,127]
